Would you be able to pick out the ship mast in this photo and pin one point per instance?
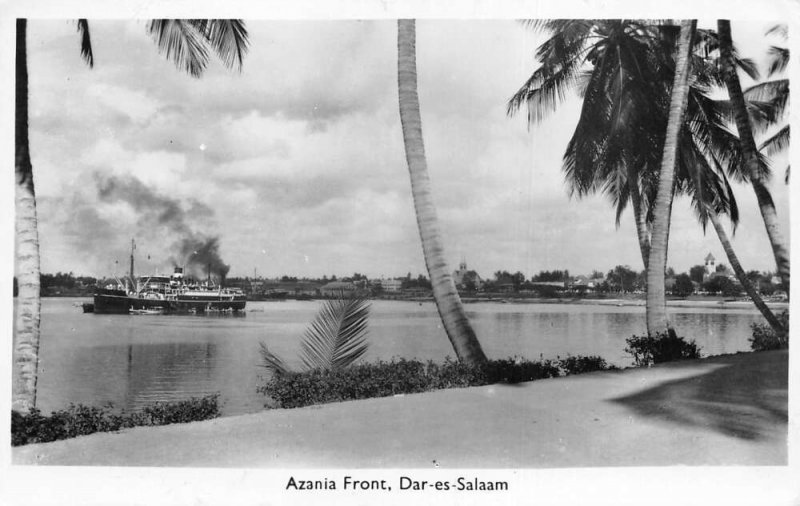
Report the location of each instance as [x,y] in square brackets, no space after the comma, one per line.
[133,247]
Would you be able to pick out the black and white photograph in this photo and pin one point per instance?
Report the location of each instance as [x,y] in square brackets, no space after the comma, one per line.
[399,253]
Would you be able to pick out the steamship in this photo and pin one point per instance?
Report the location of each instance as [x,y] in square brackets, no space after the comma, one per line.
[161,294]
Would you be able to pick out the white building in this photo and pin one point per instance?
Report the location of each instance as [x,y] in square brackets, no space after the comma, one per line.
[390,285]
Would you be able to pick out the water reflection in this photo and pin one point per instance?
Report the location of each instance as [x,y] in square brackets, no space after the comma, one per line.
[169,372]
[133,375]
[132,361]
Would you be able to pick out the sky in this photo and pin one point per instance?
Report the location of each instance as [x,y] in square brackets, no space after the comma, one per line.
[295,165]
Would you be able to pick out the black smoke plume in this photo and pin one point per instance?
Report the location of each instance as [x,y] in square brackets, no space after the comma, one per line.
[201,255]
[197,252]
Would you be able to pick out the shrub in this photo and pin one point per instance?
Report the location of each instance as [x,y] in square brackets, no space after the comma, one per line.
[765,338]
[517,370]
[80,420]
[401,376]
[664,347]
[580,365]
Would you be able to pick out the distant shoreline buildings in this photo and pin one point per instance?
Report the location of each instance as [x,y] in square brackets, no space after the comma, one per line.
[708,278]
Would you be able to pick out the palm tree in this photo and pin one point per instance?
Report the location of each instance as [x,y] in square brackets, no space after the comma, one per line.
[657,321]
[26,324]
[712,150]
[187,43]
[626,97]
[753,165]
[617,144]
[454,318]
[709,205]
[613,93]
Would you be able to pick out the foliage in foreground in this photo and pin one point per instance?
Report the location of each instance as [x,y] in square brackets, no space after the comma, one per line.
[765,338]
[663,347]
[334,340]
[80,420]
[402,376]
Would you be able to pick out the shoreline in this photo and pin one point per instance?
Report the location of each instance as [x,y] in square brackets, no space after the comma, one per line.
[696,412]
[705,303]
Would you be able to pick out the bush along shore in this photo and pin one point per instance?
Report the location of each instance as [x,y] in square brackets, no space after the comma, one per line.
[765,338]
[401,376]
[80,420]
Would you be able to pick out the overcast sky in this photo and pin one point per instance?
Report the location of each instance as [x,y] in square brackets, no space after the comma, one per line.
[296,165]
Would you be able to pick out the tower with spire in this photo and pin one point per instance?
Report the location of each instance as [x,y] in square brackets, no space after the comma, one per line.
[711,267]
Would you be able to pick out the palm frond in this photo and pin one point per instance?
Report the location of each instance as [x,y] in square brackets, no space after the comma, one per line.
[689,167]
[541,25]
[227,37]
[622,197]
[768,90]
[715,187]
[272,362]
[780,29]
[561,58]
[86,42]
[776,143]
[708,40]
[335,339]
[180,41]
[779,57]
[747,66]
[767,103]
[733,207]
[762,114]
[337,336]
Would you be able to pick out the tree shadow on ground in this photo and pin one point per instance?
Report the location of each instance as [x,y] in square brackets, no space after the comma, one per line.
[738,398]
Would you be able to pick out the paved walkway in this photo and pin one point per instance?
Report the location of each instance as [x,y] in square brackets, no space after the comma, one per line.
[727,410]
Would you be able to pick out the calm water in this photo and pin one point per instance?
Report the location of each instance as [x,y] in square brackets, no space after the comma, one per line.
[135,360]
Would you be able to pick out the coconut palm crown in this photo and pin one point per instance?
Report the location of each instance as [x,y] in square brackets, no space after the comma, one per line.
[623,69]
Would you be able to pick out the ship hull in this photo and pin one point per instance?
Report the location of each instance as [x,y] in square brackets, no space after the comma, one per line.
[118,302]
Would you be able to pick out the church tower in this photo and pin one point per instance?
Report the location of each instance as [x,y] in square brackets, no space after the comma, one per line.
[710,266]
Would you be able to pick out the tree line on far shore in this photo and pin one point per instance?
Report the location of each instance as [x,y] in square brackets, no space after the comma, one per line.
[620,279]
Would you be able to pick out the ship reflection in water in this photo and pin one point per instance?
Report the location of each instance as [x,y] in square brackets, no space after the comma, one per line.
[134,361]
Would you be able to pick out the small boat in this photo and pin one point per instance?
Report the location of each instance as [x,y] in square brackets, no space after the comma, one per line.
[88,307]
[150,310]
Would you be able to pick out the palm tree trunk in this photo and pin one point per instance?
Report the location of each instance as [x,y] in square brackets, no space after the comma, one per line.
[657,321]
[740,274]
[750,152]
[28,304]
[456,325]
[639,215]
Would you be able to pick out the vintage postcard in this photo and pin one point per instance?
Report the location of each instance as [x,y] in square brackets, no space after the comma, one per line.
[352,252]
